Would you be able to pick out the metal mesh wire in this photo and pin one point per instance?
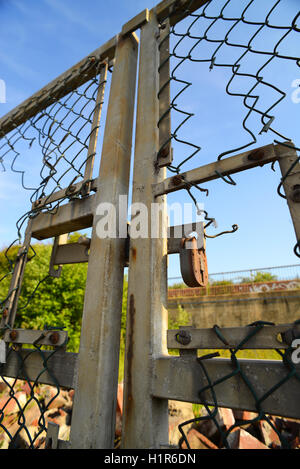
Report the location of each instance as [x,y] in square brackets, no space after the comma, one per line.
[230,39]
[24,422]
[207,393]
[223,34]
[49,152]
[59,136]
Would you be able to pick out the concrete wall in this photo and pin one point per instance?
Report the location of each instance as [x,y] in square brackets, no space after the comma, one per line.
[239,309]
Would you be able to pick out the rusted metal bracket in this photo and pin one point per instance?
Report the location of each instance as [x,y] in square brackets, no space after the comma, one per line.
[193,263]
[50,337]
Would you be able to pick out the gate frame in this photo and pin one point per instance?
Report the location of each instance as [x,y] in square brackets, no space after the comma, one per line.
[151,375]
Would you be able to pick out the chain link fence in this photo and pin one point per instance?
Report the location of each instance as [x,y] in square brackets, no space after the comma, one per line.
[64,136]
[53,152]
[247,40]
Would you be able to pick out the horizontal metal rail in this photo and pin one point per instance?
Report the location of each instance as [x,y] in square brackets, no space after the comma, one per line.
[71,191]
[177,9]
[269,337]
[61,364]
[51,337]
[74,216]
[181,378]
[212,171]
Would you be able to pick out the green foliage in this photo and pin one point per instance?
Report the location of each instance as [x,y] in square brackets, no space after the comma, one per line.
[259,277]
[182,318]
[222,282]
[178,286]
[46,300]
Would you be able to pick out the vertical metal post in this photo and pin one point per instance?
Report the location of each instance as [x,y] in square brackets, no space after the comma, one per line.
[93,420]
[11,305]
[145,421]
[88,173]
[164,123]
[290,170]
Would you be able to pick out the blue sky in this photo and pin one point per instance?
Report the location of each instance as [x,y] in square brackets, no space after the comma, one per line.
[40,39]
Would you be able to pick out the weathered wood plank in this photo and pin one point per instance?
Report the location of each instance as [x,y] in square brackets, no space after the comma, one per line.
[73,253]
[62,193]
[176,233]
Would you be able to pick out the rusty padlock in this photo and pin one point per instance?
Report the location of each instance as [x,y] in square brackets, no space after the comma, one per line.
[193,263]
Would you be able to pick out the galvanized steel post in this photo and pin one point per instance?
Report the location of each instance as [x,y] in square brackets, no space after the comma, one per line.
[145,421]
[93,420]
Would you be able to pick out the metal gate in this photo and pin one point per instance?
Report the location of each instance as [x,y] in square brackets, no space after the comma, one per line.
[63,120]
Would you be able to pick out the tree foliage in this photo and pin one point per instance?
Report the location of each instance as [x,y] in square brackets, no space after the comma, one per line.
[44,300]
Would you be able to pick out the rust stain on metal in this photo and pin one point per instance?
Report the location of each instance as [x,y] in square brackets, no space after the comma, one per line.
[193,264]
[13,335]
[133,253]
[164,152]
[54,337]
[256,155]
[130,352]
[177,180]
[296,194]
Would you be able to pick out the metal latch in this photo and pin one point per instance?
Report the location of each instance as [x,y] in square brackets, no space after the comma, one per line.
[193,263]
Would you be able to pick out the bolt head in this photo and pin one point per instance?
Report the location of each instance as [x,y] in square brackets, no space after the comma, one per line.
[13,335]
[256,155]
[164,152]
[177,180]
[183,337]
[296,193]
[54,338]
